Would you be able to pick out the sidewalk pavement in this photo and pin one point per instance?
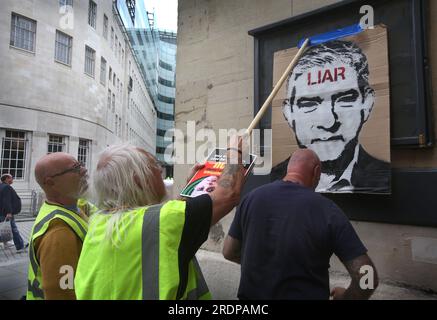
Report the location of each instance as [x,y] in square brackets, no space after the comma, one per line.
[222,276]
[13,265]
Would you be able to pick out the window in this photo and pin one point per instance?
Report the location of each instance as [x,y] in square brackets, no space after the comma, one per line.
[113,102]
[116,125]
[103,71]
[119,50]
[109,99]
[63,44]
[56,144]
[119,127]
[165,99]
[92,14]
[112,38]
[165,66]
[122,55]
[110,74]
[90,61]
[23,32]
[65,3]
[113,79]
[105,27]
[115,46]
[83,152]
[13,154]
[165,82]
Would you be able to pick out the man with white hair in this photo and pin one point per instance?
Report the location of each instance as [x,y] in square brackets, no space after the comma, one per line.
[140,248]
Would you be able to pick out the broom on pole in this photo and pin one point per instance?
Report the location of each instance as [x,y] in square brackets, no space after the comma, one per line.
[314,40]
[276,88]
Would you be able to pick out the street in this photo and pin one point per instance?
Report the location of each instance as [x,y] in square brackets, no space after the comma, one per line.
[13,275]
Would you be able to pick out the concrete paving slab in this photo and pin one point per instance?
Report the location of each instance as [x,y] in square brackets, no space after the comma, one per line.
[223,278]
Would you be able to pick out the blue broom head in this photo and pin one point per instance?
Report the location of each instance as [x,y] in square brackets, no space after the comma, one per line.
[332,35]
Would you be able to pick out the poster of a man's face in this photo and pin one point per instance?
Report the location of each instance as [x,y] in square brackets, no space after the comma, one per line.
[207,185]
[328,98]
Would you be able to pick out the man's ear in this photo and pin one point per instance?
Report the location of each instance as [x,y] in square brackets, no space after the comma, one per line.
[49,182]
[316,175]
[369,101]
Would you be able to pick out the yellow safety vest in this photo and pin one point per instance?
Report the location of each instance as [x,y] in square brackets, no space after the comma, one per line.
[86,207]
[144,263]
[46,214]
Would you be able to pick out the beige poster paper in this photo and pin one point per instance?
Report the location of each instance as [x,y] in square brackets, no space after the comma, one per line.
[337,103]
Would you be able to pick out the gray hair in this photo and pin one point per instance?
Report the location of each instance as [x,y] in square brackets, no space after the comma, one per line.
[346,52]
[124,180]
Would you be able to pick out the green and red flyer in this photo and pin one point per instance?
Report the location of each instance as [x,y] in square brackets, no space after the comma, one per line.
[205,180]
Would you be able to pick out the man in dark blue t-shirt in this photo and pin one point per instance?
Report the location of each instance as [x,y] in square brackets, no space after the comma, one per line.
[284,235]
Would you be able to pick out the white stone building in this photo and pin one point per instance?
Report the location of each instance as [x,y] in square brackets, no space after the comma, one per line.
[69,82]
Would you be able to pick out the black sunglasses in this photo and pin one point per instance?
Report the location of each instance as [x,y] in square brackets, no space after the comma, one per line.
[76,169]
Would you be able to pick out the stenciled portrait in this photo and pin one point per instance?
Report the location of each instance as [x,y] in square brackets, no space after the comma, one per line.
[336,102]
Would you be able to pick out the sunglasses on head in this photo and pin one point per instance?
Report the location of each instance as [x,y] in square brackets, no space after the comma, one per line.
[76,169]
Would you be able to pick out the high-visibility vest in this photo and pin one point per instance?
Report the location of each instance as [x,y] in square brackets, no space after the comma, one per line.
[86,207]
[143,263]
[46,214]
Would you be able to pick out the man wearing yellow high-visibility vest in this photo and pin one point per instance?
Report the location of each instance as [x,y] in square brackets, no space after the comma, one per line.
[59,229]
[140,248]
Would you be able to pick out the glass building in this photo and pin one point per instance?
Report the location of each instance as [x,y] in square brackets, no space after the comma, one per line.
[166,93]
[156,53]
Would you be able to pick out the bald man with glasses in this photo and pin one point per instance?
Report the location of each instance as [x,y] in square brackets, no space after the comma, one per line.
[60,227]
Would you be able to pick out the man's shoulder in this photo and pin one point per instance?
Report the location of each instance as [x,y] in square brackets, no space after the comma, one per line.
[5,186]
[57,230]
[264,189]
[57,224]
[320,203]
[278,189]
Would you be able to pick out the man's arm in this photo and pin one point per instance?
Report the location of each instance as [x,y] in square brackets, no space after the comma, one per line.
[7,201]
[232,249]
[16,207]
[227,194]
[363,284]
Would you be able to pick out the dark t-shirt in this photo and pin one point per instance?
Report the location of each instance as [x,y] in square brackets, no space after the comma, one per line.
[288,234]
[198,214]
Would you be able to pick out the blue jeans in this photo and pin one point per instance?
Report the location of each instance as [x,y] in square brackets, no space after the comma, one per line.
[18,241]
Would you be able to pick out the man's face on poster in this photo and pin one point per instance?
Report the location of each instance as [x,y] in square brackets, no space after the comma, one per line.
[207,185]
[326,108]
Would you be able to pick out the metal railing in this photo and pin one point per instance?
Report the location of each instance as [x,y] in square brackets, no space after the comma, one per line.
[29,203]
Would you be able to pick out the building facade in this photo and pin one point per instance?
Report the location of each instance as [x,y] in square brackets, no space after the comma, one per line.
[70,82]
[156,54]
[216,88]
